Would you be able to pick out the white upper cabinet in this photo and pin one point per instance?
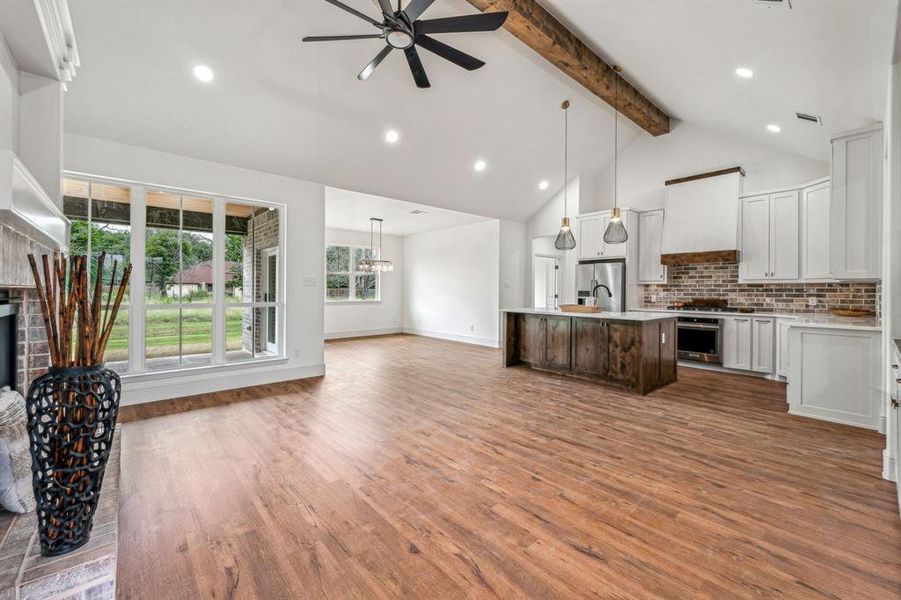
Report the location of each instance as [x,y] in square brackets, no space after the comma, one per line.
[815,232]
[755,236]
[769,237]
[784,236]
[650,240]
[855,232]
[590,238]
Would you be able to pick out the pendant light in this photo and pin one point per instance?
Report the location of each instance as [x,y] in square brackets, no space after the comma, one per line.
[565,239]
[372,264]
[616,232]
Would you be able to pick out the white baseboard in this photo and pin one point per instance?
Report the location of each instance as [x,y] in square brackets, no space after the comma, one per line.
[179,385]
[888,465]
[338,335]
[454,337]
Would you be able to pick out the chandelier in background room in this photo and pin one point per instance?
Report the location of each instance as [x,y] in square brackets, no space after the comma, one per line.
[373,264]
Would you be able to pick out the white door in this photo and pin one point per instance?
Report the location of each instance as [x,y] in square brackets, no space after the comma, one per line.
[784,236]
[737,343]
[590,241]
[545,270]
[755,237]
[815,232]
[650,239]
[270,294]
[763,345]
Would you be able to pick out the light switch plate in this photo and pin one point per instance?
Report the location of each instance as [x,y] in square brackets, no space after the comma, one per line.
[811,301]
[309,281]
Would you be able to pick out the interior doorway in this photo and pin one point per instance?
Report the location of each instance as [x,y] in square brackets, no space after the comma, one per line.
[545,273]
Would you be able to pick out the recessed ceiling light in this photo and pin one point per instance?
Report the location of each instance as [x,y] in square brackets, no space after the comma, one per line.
[744,72]
[543,185]
[203,73]
[391,136]
[480,165]
[774,128]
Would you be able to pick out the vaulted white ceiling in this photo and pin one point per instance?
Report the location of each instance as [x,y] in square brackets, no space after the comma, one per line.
[295,109]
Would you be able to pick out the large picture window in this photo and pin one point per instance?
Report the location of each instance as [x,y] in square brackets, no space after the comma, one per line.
[344,281]
[211,289]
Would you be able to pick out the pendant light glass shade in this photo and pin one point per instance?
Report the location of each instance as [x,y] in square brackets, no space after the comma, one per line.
[373,264]
[565,239]
[616,232]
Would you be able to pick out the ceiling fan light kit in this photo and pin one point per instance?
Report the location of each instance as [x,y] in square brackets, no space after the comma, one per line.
[404,30]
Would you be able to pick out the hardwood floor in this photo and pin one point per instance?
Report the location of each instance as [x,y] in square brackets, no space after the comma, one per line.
[421,468]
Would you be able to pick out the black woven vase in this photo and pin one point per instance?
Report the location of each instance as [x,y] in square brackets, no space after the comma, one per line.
[71,420]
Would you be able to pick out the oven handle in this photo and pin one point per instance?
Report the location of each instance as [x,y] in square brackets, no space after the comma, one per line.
[696,326]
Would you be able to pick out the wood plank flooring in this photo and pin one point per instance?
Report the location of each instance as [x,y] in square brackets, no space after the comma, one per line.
[420,468]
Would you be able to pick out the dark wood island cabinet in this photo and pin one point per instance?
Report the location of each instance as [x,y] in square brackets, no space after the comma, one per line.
[634,350]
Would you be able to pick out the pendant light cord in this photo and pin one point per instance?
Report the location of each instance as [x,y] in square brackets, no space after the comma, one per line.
[616,139]
[565,157]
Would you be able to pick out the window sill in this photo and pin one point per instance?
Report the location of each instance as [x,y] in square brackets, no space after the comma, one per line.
[346,302]
[232,366]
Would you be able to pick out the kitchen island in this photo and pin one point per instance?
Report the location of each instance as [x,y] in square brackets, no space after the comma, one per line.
[635,350]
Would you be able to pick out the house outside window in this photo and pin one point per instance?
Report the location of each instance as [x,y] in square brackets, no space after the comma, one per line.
[206,288]
[344,281]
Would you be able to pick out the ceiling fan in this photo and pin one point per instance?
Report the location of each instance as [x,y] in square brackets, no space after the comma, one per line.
[404,30]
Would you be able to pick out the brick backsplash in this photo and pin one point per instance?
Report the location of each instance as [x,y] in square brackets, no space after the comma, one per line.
[720,280]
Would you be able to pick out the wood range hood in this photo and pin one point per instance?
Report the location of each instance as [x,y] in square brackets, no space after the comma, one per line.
[700,222]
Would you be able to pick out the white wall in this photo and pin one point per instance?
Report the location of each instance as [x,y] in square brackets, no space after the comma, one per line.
[352,319]
[305,255]
[451,283]
[648,161]
[9,99]
[514,252]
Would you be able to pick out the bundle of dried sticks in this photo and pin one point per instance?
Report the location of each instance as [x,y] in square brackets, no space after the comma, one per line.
[77,320]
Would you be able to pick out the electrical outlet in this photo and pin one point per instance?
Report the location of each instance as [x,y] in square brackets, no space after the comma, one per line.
[297,353]
[811,301]
[472,327]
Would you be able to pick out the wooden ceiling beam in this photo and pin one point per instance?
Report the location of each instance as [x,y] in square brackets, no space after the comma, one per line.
[544,34]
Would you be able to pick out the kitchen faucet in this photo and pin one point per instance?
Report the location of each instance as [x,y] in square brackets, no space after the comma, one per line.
[595,289]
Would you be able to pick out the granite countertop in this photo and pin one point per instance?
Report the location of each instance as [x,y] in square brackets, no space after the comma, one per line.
[825,321]
[632,315]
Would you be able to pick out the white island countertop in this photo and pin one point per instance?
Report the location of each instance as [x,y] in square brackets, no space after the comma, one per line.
[819,320]
[631,315]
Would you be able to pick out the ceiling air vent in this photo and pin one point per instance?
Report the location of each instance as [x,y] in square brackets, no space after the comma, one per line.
[809,118]
[786,3]
[417,212]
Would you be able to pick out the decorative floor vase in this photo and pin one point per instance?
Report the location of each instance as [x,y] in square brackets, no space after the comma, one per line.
[71,420]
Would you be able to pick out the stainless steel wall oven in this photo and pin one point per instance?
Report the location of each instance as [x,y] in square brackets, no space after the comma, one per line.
[700,339]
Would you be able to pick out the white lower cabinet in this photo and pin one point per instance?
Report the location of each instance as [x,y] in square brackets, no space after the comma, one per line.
[783,327]
[763,344]
[749,343]
[835,375]
[737,343]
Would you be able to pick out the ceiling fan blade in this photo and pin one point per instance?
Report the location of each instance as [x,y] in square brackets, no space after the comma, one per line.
[483,22]
[415,8]
[385,5]
[461,59]
[422,80]
[367,71]
[337,38]
[354,12]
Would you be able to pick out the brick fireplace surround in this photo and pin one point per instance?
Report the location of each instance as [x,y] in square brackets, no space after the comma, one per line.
[720,280]
[90,571]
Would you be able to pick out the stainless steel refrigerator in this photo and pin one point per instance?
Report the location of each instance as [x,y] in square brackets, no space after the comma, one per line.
[590,274]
